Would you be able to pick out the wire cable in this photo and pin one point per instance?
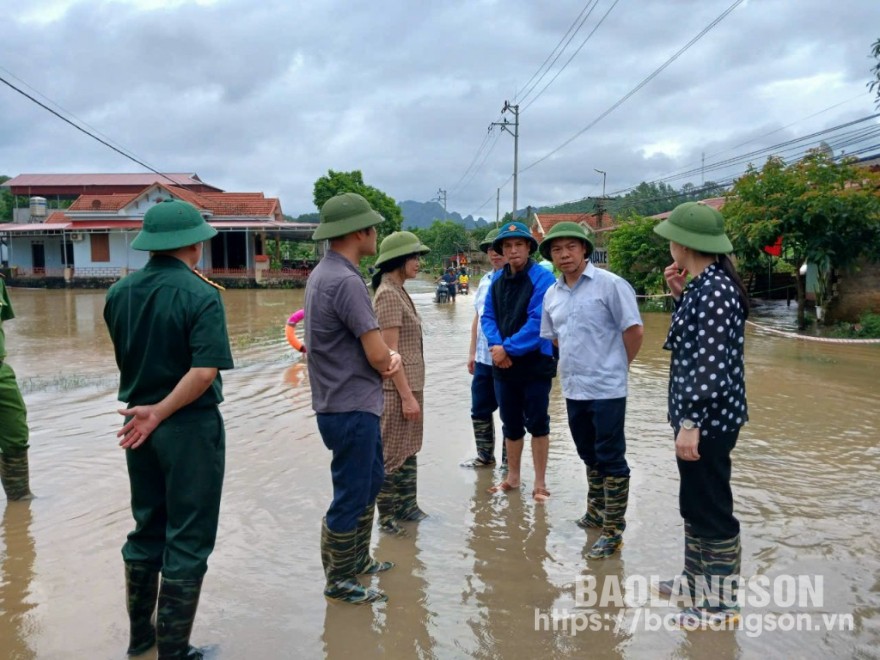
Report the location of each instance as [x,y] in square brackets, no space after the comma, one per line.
[638,87]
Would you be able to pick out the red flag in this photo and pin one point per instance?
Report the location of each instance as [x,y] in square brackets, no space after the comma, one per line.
[775,249]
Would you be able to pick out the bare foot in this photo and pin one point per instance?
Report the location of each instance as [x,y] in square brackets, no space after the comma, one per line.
[503,487]
[540,495]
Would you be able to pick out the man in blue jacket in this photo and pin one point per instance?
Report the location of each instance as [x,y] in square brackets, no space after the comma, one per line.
[523,363]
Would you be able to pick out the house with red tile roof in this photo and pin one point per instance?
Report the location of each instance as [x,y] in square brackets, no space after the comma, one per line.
[598,224]
[92,236]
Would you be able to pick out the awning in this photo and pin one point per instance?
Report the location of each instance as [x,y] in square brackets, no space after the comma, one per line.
[34,228]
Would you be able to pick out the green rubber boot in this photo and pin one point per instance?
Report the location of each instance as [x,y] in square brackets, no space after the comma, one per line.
[484,436]
[721,564]
[338,554]
[386,503]
[594,517]
[178,602]
[616,497]
[366,565]
[15,475]
[693,566]
[141,589]
[407,492]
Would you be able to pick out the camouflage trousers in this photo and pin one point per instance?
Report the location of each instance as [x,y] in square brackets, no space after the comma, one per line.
[13,413]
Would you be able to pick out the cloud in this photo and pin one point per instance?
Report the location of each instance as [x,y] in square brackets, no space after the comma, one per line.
[269,96]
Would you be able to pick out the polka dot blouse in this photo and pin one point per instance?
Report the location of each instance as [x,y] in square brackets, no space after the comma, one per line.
[706,337]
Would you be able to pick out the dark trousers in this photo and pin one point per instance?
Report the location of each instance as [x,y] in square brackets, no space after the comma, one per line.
[523,406]
[176,482]
[704,495]
[356,468]
[597,429]
[483,402]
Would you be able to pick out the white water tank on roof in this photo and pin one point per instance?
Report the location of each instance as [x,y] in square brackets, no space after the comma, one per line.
[38,207]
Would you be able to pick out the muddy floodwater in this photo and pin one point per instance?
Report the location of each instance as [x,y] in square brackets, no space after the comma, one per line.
[483,575]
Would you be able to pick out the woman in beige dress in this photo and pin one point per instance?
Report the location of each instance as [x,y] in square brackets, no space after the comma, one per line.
[402,419]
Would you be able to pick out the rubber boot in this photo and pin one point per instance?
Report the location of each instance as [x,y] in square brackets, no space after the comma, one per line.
[484,436]
[693,566]
[616,497]
[141,589]
[503,456]
[366,565]
[595,514]
[338,554]
[387,501]
[14,474]
[407,492]
[178,602]
[721,565]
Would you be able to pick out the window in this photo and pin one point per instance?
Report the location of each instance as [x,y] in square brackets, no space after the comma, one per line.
[100,247]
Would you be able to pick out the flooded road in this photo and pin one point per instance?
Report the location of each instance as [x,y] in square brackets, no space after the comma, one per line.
[471,580]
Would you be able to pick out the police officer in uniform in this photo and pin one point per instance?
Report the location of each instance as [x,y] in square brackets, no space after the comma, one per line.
[168,328]
[13,419]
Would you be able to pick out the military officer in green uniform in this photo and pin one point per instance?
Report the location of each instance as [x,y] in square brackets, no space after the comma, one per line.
[13,419]
[168,328]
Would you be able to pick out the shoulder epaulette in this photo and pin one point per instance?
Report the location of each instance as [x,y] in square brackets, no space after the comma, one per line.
[213,284]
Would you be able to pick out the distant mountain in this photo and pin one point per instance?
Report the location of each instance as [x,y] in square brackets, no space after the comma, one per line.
[421,215]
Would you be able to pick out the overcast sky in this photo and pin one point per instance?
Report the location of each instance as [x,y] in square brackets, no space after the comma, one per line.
[268,95]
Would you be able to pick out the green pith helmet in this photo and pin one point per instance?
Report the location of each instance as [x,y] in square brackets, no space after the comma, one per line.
[566,230]
[486,243]
[697,226]
[399,244]
[514,230]
[344,214]
[170,225]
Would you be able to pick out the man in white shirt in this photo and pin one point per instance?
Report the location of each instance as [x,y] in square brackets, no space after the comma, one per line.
[592,316]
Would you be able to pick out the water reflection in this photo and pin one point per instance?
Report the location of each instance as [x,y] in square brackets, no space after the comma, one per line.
[16,577]
[469,579]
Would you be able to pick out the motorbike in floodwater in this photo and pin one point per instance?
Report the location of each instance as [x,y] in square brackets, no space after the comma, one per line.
[441,293]
[463,288]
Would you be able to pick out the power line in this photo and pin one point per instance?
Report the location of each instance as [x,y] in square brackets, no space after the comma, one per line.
[81,129]
[638,87]
[573,55]
[561,50]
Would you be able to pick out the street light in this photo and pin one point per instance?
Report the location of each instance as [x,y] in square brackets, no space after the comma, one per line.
[603,180]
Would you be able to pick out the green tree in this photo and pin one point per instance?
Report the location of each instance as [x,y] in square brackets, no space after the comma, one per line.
[827,214]
[6,202]
[445,238]
[637,254]
[341,182]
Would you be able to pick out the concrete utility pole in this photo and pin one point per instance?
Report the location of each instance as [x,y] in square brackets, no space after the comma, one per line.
[441,197]
[600,207]
[505,126]
[497,206]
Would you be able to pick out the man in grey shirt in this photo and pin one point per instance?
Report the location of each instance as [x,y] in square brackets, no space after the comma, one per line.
[592,316]
[347,360]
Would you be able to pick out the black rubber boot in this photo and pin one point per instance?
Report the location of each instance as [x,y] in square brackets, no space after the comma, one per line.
[721,565]
[387,502]
[338,554]
[594,517]
[484,437]
[407,492]
[178,602]
[142,590]
[693,566]
[15,474]
[616,498]
[366,565]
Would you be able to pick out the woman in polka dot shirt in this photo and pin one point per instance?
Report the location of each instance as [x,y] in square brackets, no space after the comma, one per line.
[707,402]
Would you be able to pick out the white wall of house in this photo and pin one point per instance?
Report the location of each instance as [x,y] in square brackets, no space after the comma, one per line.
[121,255]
